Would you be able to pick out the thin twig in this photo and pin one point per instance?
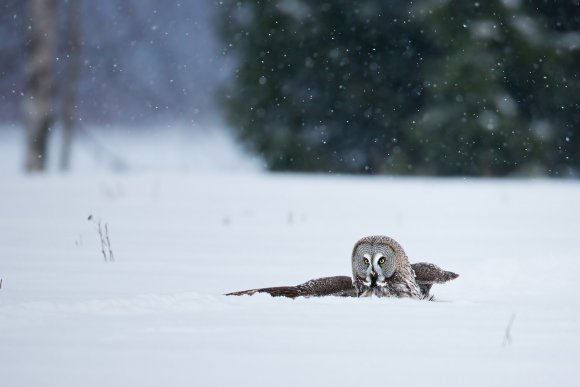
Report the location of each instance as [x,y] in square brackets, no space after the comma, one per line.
[106,249]
[102,240]
[111,257]
[507,339]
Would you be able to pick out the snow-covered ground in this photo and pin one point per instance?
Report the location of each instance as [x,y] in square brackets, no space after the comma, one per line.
[175,147]
[157,317]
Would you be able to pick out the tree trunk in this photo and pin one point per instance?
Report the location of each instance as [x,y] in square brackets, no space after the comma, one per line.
[73,17]
[38,106]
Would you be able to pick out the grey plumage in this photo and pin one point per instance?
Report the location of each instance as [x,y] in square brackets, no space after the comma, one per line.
[326,286]
[427,274]
[380,267]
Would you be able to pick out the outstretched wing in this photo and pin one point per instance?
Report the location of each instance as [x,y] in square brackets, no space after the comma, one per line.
[327,286]
[427,274]
[279,291]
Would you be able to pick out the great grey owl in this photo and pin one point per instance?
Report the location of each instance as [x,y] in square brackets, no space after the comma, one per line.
[380,267]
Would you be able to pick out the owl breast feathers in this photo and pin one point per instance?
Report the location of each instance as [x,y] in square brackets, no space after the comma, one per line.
[380,267]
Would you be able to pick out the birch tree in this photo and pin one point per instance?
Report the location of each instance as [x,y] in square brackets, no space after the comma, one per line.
[38,105]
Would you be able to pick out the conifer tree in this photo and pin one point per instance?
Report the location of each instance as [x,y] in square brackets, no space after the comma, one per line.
[323,86]
[497,85]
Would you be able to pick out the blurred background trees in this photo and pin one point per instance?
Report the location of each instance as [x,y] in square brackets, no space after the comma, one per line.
[429,87]
[435,87]
[324,87]
[129,63]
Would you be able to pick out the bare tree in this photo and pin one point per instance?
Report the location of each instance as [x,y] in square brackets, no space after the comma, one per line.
[38,106]
[73,54]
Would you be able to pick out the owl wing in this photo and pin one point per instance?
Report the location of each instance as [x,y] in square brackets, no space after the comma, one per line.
[427,274]
[326,286]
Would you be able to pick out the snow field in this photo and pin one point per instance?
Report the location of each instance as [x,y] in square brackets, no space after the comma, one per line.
[156,316]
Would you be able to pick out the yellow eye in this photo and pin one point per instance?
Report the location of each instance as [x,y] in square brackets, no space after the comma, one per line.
[382,260]
[366,261]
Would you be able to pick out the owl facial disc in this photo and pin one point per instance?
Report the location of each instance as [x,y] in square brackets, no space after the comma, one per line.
[379,269]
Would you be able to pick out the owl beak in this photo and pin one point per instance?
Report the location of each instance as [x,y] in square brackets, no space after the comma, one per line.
[378,280]
[371,278]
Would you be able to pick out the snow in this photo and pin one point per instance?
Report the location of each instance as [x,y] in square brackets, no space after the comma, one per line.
[177,147]
[183,237]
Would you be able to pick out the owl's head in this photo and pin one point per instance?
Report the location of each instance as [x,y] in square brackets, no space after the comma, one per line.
[374,260]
